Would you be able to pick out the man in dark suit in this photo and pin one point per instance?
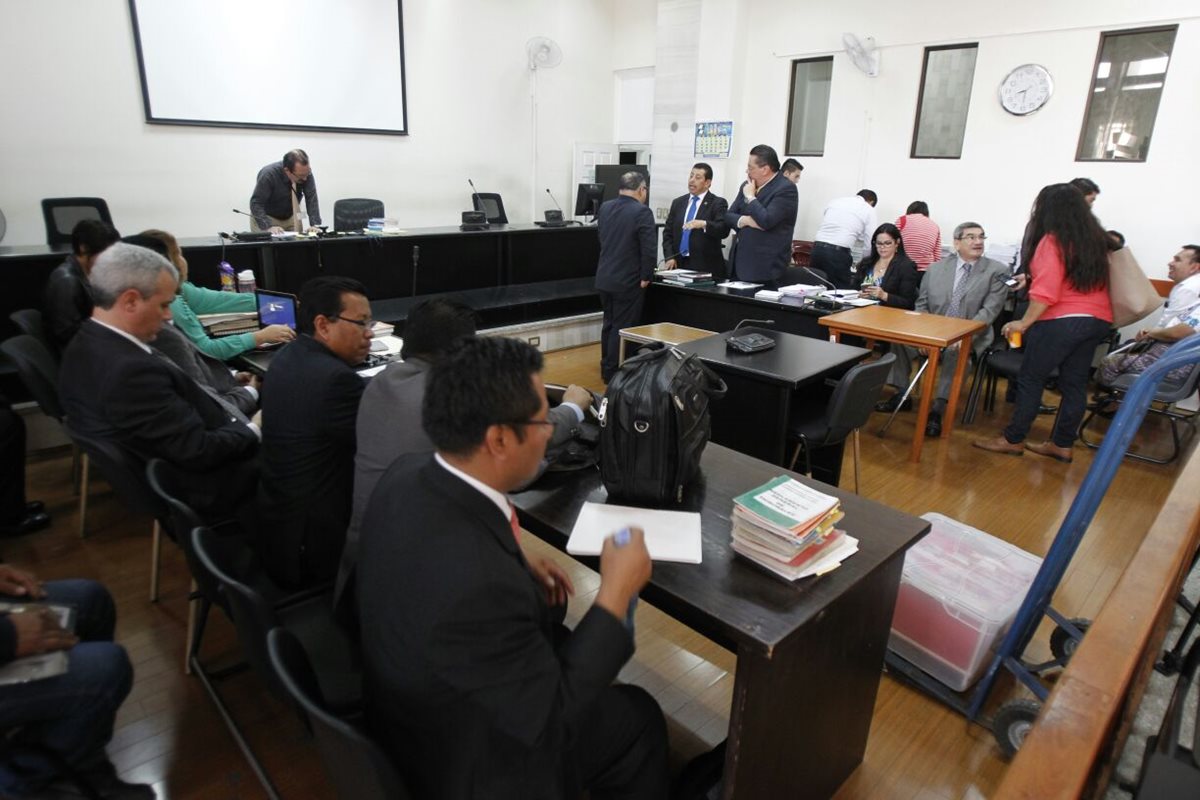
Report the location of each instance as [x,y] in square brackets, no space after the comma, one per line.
[468,683]
[114,386]
[627,236]
[310,401]
[764,217]
[696,227]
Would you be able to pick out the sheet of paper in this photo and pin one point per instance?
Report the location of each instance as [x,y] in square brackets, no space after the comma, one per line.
[739,285]
[670,535]
[859,302]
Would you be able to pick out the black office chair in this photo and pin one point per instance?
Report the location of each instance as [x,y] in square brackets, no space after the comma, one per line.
[1183,425]
[491,204]
[849,407]
[353,213]
[357,766]
[29,321]
[62,214]
[126,473]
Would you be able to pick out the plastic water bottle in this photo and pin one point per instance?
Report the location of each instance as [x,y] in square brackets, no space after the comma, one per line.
[245,281]
[228,282]
[620,539]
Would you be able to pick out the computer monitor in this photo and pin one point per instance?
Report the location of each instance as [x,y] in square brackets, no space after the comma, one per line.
[588,198]
[276,308]
[610,176]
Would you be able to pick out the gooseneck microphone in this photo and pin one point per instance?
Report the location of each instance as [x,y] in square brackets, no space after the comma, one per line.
[552,200]
[818,277]
[243,213]
[475,195]
[759,321]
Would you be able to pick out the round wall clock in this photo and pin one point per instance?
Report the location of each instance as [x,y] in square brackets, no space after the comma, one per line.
[1026,89]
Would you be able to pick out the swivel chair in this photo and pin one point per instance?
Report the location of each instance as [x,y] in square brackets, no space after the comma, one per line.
[492,205]
[62,214]
[353,213]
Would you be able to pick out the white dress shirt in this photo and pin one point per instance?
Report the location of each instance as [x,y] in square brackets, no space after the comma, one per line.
[847,220]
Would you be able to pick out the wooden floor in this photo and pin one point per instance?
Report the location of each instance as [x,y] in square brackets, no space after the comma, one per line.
[168,732]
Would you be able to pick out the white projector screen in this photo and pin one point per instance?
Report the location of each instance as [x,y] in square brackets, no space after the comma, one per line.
[295,64]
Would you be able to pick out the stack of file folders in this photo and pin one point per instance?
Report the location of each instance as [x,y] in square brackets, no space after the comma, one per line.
[789,528]
[230,323]
[687,277]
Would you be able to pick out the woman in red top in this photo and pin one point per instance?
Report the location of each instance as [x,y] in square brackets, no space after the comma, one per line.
[1069,314]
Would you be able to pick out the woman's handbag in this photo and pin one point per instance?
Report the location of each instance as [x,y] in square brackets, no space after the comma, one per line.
[1132,294]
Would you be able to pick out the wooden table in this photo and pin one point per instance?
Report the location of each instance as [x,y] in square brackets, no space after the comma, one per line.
[928,332]
[809,654]
[666,332]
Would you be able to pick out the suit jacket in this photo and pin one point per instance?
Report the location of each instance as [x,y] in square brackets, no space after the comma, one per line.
[902,282]
[764,255]
[112,389]
[465,684]
[389,426]
[67,302]
[984,298]
[705,251]
[310,402]
[627,238]
[204,369]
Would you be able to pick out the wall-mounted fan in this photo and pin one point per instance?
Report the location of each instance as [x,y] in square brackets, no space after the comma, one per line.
[543,52]
[863,52]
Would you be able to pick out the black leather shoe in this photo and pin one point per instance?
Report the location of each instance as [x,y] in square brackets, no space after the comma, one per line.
[933,425]
[27,524]
[892,403]
[1045,409]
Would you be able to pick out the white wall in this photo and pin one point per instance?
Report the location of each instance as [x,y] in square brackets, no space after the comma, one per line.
[74,125]
[1005,159]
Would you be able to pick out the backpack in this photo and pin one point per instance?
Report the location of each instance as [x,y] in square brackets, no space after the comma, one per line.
[654,425]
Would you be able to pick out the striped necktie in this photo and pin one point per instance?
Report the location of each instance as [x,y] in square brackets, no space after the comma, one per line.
[960,289]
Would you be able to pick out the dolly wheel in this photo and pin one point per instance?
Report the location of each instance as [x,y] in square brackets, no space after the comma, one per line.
[1012,724]
[1062,644]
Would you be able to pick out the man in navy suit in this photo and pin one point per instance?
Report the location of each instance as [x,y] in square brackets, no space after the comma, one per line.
[627,236]
[696,226]
[764,216]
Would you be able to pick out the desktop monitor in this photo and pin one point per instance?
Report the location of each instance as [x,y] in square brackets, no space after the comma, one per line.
[276,308]
[610,176]
[588,198]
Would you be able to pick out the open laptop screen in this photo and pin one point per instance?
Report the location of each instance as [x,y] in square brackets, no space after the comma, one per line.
[276,308]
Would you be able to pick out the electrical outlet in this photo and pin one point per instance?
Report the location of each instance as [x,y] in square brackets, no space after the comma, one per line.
[535,341]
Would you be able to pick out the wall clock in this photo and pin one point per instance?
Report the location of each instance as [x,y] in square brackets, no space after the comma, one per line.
[1026,89]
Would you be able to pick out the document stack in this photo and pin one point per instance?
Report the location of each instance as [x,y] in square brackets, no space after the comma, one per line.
[230,323]
[687,277]
[383,225]
[788,528]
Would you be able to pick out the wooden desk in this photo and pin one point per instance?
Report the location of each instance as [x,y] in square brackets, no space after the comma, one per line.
[666,332]
[928,332]
[753,417]
[809,654]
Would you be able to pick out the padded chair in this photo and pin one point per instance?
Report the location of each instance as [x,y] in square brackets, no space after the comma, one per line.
[1183,424]
[357,766]
[38,370]
[849,407]
[491,204]
[126,473]
[353,213]
[29,321]
[62,214]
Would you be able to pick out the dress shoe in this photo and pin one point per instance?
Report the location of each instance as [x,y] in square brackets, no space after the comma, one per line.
[933,425]
[34,507]
[1000,445]
[892,403]
[1045,409]
[1052,450]
[29,523]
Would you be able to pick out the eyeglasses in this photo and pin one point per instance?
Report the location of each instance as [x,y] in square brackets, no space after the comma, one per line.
[884,244]
[974,237]
[362,323]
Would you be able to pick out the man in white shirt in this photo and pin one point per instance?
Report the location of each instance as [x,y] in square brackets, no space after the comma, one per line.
[846,221]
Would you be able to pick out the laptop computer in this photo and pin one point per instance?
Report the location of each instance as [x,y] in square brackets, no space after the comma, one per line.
[275,308]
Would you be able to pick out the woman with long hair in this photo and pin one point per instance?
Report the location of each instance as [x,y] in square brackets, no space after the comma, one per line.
[1069,314]
[888,274]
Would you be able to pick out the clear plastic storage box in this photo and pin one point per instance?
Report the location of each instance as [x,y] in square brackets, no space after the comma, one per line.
[959,593]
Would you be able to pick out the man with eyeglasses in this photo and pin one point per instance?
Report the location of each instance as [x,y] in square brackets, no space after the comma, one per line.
[310,403]
[967,285]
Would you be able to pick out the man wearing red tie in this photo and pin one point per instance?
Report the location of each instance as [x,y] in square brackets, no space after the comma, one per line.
[696,227]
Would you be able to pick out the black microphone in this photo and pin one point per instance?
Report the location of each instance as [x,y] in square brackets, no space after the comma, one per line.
[556,205]
[759,321]
[475,195]
[669,258]
[243,213]
[818,277]
[416,253]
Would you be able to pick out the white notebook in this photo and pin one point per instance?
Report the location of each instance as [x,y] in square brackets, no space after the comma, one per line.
[670,535]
